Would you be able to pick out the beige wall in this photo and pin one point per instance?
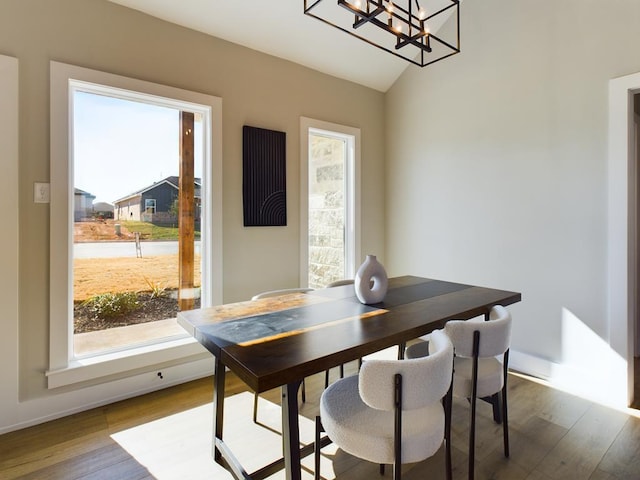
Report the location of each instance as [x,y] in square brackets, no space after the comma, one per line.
[497,171]
[256,89]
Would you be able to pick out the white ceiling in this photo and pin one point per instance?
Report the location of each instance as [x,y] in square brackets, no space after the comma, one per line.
[280,28]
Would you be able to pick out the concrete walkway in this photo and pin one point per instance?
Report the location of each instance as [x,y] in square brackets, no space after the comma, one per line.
[123,337]
[125,249]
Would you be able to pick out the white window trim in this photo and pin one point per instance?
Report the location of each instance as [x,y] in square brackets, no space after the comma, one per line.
[64,369]
[9,242]
[353,203]
[147,204]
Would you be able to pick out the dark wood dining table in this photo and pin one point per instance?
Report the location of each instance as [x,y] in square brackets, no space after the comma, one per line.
[278,341]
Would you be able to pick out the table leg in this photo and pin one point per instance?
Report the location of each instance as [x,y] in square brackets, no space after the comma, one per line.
[291,431]
[218,408]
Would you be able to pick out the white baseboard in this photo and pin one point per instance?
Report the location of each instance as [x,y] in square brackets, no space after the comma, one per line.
[37,411]
[531,365]
[606,385]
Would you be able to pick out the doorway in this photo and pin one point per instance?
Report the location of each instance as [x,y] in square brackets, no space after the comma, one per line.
[635,266]
[623,246]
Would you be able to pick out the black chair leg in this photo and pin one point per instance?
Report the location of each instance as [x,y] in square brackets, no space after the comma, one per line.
[474,398]
[472,439]
[505,422]
[382,469]
[316,449]
[496,404]
[448,405]
[326,376]
[304,392]
[255,408]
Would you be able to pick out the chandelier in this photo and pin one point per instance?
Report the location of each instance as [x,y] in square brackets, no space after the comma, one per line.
[410,29]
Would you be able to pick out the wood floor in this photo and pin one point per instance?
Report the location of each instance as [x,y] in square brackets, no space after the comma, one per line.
[166,435]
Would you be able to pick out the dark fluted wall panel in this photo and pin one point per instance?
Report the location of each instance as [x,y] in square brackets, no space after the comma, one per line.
[264,177]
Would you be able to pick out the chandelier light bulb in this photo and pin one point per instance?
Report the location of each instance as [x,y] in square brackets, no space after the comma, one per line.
[357,4]
[390,7]
[422,14]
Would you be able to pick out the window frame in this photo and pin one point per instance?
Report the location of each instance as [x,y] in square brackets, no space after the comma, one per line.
[9,243]
[150,203]
[64,368]
[353,220]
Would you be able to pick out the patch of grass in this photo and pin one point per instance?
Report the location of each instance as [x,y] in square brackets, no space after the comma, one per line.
[149,231]
[110,305]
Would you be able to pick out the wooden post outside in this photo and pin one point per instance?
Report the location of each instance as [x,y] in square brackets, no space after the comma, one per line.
[186,215]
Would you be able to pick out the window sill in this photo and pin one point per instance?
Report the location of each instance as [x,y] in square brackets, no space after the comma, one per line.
[86,369]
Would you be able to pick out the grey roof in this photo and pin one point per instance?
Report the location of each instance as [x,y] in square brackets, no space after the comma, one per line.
[77,191]
[172,180]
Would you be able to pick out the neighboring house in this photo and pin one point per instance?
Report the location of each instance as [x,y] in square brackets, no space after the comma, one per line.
[103,209]
[82,205]
[153,203]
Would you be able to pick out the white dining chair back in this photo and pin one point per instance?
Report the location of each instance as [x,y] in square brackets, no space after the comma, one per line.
[392,411]
[340,283]
[277,293]
[495,334]
[428,381]
[480,368]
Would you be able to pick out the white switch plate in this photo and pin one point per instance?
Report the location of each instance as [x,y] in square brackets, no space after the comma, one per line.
[41,192]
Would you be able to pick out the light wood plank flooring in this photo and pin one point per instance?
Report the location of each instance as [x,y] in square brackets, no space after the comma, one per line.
[166,435]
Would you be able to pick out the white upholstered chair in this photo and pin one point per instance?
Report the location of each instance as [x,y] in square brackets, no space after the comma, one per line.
[340,283]
[392,412]
[284,291]
[480,368]
[276,293]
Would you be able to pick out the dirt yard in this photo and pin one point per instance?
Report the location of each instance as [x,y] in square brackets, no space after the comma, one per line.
[127,274]
[100,230]
[92,276]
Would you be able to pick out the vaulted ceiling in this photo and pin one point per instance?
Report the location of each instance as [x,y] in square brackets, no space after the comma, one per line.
[280,28]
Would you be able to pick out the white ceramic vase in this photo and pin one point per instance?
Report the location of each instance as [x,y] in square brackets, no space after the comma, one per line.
[371,281]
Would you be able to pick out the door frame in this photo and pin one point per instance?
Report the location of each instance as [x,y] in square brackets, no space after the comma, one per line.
[622,305]
[635,160]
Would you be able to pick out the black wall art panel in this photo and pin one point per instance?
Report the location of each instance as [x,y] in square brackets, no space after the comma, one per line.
[264,177]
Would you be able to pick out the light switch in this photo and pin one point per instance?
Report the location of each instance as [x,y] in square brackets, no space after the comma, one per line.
[41,192]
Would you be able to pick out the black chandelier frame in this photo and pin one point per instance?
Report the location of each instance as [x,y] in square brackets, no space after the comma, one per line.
[411,33]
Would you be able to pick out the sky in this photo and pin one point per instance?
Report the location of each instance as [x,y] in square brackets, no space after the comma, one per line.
[121,146]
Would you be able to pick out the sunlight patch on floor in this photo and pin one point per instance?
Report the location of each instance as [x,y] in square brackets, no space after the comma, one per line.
[629,411]
[154,445]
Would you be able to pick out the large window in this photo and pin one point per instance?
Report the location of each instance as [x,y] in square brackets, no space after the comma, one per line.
[126,269]
[330,226]
[136,216]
